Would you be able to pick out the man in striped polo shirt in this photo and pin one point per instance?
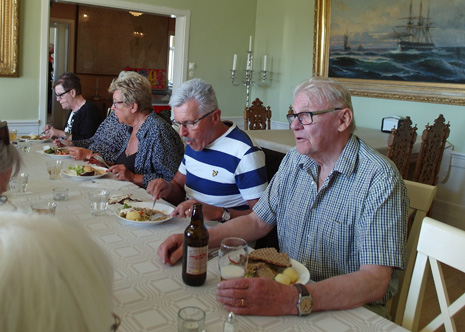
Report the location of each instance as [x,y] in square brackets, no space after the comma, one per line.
[222,168]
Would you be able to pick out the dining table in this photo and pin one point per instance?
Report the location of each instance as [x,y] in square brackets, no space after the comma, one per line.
[147,293]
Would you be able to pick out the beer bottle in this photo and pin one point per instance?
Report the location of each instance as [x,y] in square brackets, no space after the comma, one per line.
[195,250]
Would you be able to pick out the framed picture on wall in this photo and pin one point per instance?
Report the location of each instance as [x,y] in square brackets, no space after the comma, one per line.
[9,39]
[402,49]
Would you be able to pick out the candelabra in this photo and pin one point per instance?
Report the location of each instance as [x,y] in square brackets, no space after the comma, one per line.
[248,81]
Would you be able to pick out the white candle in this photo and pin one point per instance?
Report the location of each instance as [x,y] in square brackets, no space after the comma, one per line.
[234,62]
[264,63]
[250,44]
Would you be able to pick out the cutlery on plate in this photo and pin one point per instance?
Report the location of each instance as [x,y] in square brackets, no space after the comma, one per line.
[158,214]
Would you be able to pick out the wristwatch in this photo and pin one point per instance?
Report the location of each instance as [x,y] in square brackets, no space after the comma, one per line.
[226,215]
[305,303]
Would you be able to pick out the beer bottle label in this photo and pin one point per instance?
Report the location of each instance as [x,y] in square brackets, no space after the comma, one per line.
[197,260]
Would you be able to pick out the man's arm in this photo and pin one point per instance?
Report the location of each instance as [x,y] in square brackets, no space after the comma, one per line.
[342,292]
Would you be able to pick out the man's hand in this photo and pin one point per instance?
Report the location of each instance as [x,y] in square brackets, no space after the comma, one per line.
[158,188]
[248,296]
[170,251]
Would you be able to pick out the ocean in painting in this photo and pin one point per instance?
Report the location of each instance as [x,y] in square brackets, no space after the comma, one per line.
[441,65]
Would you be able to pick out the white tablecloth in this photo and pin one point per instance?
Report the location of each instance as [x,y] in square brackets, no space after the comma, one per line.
[148,294]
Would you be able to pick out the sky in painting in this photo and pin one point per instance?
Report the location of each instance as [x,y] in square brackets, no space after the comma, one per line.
[370,22]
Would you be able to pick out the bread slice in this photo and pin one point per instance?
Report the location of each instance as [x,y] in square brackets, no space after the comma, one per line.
[271,256]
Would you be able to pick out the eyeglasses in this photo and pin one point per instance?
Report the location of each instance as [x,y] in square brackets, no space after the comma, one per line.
[306,118]
[115,103]
[116,324]
[59,95]
[190,125]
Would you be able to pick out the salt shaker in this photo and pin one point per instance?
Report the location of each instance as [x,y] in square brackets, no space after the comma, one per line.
[230,324]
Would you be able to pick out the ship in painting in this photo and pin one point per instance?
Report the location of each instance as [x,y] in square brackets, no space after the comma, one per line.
[346,42]
[415,33]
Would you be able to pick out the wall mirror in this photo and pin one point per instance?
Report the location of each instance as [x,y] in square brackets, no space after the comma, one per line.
[9,41]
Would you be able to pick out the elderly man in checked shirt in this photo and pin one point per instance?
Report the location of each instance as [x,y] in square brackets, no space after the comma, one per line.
[340,209]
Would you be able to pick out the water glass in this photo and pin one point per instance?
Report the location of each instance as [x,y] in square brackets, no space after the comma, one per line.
[232,258]
[98,201]
[191,319]
[54,168]
[24,145]
[60,194]
[44,207]
[18,183]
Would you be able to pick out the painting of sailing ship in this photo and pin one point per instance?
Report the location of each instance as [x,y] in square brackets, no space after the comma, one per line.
[399,40]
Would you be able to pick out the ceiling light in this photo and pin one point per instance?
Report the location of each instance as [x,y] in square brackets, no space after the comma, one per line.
[136,14]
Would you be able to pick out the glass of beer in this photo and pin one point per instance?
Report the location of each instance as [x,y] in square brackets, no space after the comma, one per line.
[232,258]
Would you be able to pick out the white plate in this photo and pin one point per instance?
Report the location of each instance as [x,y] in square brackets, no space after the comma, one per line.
[165,208]
[55,156]
[35,140]
[68,173]
[304,274]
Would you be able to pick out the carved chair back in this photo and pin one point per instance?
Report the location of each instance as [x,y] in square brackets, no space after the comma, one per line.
[400,144]
[433,141]
[257,116]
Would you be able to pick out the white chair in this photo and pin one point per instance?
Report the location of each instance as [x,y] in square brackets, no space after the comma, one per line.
[438,243]
[421,197]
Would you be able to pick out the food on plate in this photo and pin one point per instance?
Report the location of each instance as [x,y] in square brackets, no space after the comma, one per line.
[34,137]
[79,170]
[57,151]
[269,263]
[121,199]
[141,214]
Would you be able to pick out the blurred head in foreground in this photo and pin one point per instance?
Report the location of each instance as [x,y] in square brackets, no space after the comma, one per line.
[10,160]
[53,276]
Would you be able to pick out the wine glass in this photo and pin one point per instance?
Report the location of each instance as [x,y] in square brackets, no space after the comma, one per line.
[232,258]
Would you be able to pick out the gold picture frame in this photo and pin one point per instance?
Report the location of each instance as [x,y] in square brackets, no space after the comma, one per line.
[440,93]
[9,40]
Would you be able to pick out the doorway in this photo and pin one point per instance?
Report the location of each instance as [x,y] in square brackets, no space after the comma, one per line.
[61,36]
[181,41]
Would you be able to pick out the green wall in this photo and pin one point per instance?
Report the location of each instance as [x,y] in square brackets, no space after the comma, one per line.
[219,28]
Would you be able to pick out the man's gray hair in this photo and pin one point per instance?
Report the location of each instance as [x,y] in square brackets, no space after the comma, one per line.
[198,90]
[323,90]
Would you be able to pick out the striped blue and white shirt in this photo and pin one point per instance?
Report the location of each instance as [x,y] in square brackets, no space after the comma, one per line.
[358,217]
[227,173]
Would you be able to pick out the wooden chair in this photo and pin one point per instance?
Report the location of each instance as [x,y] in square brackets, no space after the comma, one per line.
[432,148]
[421,197]
[257,116]
[438,243]
[400,144]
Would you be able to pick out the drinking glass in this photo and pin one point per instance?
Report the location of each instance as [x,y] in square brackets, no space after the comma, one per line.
[24,145]
[60,194]
[18,183]
[44,207]
[232,258]
[13,135]
[191,319]
[54,168]
[98,201]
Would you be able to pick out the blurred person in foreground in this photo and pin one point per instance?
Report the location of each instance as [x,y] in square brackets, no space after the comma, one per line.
[340,209]
[222,167]
[10,159]
[84,118]
[53,277]
[152,149]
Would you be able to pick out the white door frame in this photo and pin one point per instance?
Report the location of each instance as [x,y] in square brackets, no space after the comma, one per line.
[181,40]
